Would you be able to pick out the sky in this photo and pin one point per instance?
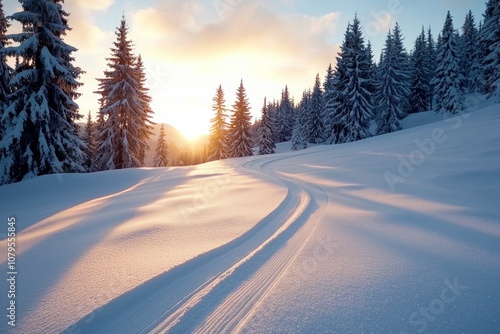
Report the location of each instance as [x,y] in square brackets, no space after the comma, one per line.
[191,47]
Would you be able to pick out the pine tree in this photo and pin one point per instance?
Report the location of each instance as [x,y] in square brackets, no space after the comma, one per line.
[161,151]
[476,77]
[272,112]
[419,97]
[371,69]
[298,140]
[41,135]
[218,140]
[265,138]
[124,108]
[285,117]
[89,140]
[328,99]
[336,106]
[5,72]
[402,66]
[449,79]
[392,92]
[300,128]
[430,66]
[239,129]
[490,43]
[146,123]
[469,41]
[356,112]
[314,117]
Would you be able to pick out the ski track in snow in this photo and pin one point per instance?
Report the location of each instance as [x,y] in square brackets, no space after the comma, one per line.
[217,291]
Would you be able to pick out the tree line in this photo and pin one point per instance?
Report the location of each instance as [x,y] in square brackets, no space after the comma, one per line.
[360,98]
[38,124]
[39,84]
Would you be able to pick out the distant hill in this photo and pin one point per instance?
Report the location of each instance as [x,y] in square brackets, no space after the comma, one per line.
[175,140]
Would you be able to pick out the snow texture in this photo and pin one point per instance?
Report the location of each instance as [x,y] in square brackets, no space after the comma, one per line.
[398,233]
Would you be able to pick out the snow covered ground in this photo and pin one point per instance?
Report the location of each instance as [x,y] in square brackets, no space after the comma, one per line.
[394,234]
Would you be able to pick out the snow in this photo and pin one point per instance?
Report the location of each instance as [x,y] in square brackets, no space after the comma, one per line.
[398,233]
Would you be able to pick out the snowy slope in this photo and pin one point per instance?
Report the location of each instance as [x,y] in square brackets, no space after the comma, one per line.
[395,234]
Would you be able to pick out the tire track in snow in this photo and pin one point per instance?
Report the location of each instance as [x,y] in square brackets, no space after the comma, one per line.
[232,314]
[157,300]
[174,322]
[227,305]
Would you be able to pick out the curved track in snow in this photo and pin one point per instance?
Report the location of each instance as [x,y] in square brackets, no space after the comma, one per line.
[217,291]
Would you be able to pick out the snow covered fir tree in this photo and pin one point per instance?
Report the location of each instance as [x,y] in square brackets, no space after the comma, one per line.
[265,136]
[89,140]
[39,124]
[126,116]
[218,145]
[239,128]
[449,80]
[489,47]
[161,151]
[392,91]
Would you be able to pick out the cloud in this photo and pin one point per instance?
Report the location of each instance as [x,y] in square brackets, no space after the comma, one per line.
[252,37]
[200,50]
[94,4]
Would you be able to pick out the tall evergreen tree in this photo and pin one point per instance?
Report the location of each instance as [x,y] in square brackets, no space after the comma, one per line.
[298,141]
[469,42]
[161,152]
[392,92]
[300,127]
[314,117]
[41,135]
[328,99]
[430,66]
[419,97]
[5,72]
[449,79]
[371,69]
[265,138]
[285,117]
[336,106]
[218,145]
[146,115]
[124,108]
[90,143]
[239,129]
[490,43]
[476,77]
[356,112]
[402,66]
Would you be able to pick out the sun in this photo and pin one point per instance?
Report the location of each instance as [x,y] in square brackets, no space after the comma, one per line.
[192,131]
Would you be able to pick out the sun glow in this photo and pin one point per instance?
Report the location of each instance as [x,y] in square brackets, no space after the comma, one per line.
[192,131]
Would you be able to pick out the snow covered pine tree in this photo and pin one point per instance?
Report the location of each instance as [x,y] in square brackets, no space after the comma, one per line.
[218,141]
[448,83]
[239,129]
[125,114]
[266,138]
[41,134]
[161,152]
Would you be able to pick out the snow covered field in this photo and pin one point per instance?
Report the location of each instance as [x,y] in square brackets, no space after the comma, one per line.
[398,233]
